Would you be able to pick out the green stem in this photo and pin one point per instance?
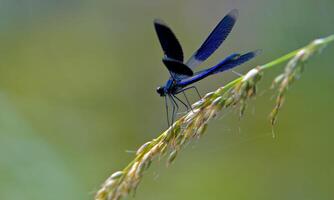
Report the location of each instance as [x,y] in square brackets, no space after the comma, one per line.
[231,84]
[277,61]
[329,39]
[280,60]
[107,190]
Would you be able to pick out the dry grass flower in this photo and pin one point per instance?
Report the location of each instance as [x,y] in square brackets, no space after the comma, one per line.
[194,124]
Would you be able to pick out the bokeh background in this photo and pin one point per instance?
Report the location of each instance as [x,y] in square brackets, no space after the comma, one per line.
[77,97]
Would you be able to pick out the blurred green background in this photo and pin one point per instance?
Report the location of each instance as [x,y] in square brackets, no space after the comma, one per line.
[77,95]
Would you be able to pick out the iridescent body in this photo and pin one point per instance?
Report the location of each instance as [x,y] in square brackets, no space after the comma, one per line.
[181,74]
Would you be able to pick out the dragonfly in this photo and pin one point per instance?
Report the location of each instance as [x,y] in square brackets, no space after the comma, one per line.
[181,73]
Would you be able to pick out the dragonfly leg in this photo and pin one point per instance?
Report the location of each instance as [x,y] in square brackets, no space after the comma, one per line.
[185,105]
[196,91]
[185,96]
[188,88]
[166,105]
[237,73]
[175,106]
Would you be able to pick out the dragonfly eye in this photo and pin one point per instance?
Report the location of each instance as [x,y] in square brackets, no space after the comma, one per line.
[161,91]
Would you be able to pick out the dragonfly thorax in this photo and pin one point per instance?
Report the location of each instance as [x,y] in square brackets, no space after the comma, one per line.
[169,88]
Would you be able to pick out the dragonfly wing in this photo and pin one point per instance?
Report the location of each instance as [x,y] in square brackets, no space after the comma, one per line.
[236,61]
[214,40]
[206,72]
[228,63]
[177,68]
[169,43]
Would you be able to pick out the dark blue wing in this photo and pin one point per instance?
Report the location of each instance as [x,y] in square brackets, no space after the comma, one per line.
[177,68]
[233,62]
[229,62]
[214,40]
[170,45]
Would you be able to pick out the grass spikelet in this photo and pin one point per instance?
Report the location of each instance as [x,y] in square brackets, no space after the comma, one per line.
[293,71]
[194,124]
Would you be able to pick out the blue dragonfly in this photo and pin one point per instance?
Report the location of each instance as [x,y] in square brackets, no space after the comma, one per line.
[181,74]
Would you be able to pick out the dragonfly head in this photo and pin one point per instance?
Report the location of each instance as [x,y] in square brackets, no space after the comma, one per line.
[161,91]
